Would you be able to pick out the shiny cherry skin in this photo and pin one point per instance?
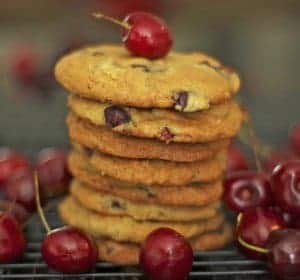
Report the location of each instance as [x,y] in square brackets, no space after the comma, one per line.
[285,182]
[12,241]
[295,138]
[246,189]
[20,188]
[10,162]
[255,226]
[53,173]
[284,254]
[277,157]
[236,160]
[148,35]
[166,255]
[14,209]
[69,250]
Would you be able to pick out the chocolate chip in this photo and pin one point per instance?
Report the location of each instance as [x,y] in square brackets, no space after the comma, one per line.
[115,116]
[116,204]
[166,135]
[88,151]
[180,98]
[142,67]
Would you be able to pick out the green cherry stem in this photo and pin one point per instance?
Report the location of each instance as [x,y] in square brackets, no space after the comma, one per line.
[113,20]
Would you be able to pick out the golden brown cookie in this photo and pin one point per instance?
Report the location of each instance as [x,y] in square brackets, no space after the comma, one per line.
[109,142]
[186,82]
[219,122]
[150,172]
[128,253]
[113,205]
[188,195]
[126,229]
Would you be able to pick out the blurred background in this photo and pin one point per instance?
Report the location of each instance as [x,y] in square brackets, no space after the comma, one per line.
[259,38]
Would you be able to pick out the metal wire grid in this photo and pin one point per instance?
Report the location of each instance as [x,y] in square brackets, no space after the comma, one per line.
[216,265]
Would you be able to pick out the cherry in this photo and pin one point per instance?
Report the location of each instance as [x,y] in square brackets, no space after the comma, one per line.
[236,160]
[285,182]
[20,188]
[67,249]
[53,173]
[284,254]
[295,138]
[145,34]
[14,209]
[166,255]
[277,157]
[246,189]
[12,241]
[254,227]
[24,65]
[10,162]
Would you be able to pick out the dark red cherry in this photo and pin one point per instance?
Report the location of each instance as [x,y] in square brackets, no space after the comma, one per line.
[254,228]
[236,160]
[20,188]
[284,254]
[166,255]
[277,157]
[246,189]
[147,36]
[295,138]
[69,250]
[53,173]
[12,241]
[10,162]
[285,182]
[14,209]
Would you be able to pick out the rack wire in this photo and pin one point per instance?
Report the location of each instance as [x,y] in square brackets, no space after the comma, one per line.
[216,265]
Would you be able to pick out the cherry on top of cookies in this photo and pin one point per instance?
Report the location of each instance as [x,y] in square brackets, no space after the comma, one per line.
[144,34]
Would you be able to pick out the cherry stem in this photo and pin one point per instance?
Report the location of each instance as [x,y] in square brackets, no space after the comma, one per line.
[247,245]
[38,203]
[113,20]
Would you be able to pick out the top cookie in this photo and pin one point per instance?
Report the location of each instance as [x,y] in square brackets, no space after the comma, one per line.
[186,82]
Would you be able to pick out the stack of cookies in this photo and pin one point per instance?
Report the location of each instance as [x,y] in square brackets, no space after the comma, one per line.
[150,139]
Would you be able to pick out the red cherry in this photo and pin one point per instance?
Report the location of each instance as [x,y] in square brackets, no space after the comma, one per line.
[53,173]
[14,209]
[295,138]
[148,36]
[20,188]
[236,160]
[10,162]
[68,250]
[277,157]
[284,254]
[166,255]
[285,182]
[24,65]
[254,228]
[12,241]
[246,189]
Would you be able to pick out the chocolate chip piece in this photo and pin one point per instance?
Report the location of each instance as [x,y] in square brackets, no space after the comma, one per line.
[180,98]
[142,67]
[88,151]
[116,204]
[166,135]
[115,116]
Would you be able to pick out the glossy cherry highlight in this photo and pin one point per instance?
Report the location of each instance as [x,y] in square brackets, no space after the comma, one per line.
[166,255]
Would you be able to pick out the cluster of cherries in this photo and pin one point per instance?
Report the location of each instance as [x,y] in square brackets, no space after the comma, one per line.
[268,207]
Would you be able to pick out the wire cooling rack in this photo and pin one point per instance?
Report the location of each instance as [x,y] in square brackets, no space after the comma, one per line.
[217,265]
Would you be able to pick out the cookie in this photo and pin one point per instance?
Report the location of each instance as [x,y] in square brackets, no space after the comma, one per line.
[128,253]
[151,172]
[126,229]
[113,205]
[190,195]
[185,82]
[220,122]
[116,144]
